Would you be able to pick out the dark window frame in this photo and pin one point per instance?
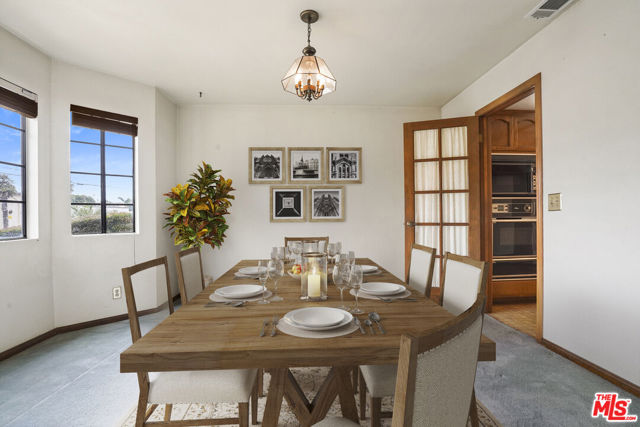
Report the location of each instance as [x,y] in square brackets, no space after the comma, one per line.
[103,180]
[23,166]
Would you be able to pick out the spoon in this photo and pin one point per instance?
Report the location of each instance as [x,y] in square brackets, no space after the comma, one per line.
[376,318]
[369,324]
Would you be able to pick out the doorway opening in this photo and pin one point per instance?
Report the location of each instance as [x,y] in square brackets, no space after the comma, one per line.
[511,194]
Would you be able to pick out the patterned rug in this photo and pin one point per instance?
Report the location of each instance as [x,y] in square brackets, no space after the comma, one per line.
[309,379]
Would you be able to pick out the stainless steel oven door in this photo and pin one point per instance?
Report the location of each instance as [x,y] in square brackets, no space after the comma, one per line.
[514,237]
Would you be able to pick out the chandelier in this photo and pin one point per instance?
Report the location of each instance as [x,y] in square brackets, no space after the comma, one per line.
[309,77]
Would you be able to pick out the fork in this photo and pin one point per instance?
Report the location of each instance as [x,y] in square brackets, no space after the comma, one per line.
[275,323]
[396,299]
[264,325]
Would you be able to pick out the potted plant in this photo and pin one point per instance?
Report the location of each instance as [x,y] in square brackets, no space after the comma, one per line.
[198,209]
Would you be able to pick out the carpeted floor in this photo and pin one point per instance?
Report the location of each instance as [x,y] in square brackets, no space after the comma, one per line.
[310,380]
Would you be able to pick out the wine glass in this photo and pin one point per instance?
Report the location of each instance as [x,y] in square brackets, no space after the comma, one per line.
[263,275]
[296,248]
[338,247]
[276,271]
[339,274]
[355,280]
[274,252]
[332,250]
[352,257]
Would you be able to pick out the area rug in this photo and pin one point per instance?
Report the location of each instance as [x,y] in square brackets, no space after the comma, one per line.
[309,379]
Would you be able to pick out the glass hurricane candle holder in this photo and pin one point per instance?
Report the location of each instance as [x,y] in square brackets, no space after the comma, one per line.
[313,279]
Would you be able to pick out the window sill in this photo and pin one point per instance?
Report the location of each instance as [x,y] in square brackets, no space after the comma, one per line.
[105,234]
[27,239]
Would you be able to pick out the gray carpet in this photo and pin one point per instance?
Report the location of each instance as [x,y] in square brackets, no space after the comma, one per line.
[529,385]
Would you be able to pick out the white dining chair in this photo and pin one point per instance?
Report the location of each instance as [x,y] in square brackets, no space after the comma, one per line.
[169,388]
[463,278]
[434,384]
[421,269]
[190,274]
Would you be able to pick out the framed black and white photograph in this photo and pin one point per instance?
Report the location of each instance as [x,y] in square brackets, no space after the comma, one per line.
[306,165]
[326,203]
[287,204]
[266,165]
[344,165]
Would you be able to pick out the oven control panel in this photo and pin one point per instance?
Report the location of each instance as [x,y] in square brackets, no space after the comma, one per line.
[509,208]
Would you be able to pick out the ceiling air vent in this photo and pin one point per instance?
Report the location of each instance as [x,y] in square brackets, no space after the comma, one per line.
[548,8]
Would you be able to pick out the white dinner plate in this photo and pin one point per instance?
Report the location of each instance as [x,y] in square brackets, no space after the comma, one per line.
[250,271]
[368,269]
[239,291]
[347,318]
[382,288]
[315,317]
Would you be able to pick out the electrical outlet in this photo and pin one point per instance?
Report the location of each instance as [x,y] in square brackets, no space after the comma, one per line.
[555,202]
[116,292]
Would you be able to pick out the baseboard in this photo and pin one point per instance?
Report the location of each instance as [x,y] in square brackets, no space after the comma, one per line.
[609,376]
[76,326]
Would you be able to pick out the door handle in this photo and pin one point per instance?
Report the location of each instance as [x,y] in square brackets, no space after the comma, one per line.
[411,224]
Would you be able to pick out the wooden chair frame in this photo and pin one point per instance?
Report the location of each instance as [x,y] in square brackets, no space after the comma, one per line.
[143,413]
[184,298]
[302,239]
[431,266]
[411,346]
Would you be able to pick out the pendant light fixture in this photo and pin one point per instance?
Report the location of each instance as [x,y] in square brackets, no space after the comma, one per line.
[309,77]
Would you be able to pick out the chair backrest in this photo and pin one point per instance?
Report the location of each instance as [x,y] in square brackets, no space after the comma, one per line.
[132,309]
[436,372]
[190,274]
[421,269]
[325,239]
[463,278]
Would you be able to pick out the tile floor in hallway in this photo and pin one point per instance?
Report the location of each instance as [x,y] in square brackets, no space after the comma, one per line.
[520,316]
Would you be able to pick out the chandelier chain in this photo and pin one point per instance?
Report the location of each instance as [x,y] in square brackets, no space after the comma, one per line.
[308,33]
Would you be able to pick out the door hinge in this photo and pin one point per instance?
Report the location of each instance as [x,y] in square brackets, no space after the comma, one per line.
[480,138]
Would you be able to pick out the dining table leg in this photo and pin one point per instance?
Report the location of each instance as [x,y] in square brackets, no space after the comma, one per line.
[274,397]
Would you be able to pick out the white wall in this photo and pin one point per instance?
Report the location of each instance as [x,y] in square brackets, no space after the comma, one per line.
[589,62]
[25,265]
[373,228]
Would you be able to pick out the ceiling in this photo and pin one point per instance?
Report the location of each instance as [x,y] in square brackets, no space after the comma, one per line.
[413,52]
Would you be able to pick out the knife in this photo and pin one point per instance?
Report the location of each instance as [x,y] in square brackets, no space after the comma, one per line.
[357,322]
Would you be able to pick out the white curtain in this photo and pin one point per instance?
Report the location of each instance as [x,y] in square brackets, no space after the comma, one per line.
[425,144]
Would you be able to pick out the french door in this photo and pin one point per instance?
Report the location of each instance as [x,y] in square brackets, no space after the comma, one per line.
[442,188]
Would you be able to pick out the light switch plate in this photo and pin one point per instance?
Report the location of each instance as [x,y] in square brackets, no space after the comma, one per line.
[555,202]
[116,292]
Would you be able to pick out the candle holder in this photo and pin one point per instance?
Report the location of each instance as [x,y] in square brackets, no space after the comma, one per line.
[313,279]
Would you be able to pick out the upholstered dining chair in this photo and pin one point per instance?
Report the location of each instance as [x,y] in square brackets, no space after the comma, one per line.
[190,274]
[169,388]
[421,269]
[463,279]
[324,239]
[436,373]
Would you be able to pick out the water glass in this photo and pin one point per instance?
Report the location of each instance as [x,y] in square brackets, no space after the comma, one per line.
[355,280]
[276,271]
[332,250]
[352,257]
[263,275]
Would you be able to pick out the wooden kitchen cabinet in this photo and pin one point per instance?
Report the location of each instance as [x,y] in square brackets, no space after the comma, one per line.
[512,132]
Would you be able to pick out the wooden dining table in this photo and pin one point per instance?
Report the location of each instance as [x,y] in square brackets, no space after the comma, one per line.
[197,337]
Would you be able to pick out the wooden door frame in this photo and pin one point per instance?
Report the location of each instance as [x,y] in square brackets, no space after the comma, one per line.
[531,86]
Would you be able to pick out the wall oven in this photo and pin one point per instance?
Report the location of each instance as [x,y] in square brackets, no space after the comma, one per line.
[513,175]
[514,238]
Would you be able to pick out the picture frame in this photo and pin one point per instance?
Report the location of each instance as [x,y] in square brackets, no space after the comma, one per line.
[287,203]
[326,203]
[344,165]
[306,165]
[267,165]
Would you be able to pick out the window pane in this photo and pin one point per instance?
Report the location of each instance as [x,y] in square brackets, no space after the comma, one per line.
[85,219]
[455,207]
[454,142]
[10,118]
[428,236]
[11,220]
[455,175]
[79,133]
[118,161]
[426,176]
[119,219]
[10,145]
[119,189]
[427,207]
[85,157]
[85,188]
[425,144]
[456,239]
[10,182]
[111,138]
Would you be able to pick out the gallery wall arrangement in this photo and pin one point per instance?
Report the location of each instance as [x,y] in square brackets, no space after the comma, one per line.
[296,169]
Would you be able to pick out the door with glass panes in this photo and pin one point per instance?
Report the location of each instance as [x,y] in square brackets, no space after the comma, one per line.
[442,188]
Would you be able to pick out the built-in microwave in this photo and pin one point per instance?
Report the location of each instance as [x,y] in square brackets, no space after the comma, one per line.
[513,175]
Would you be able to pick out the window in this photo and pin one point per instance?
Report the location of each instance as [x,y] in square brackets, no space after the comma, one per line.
[14,111]
[102,155]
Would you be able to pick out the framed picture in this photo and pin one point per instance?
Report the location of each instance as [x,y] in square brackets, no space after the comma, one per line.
[306,165]
[344,165]
[326,203]
[287,204]
[266,165]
